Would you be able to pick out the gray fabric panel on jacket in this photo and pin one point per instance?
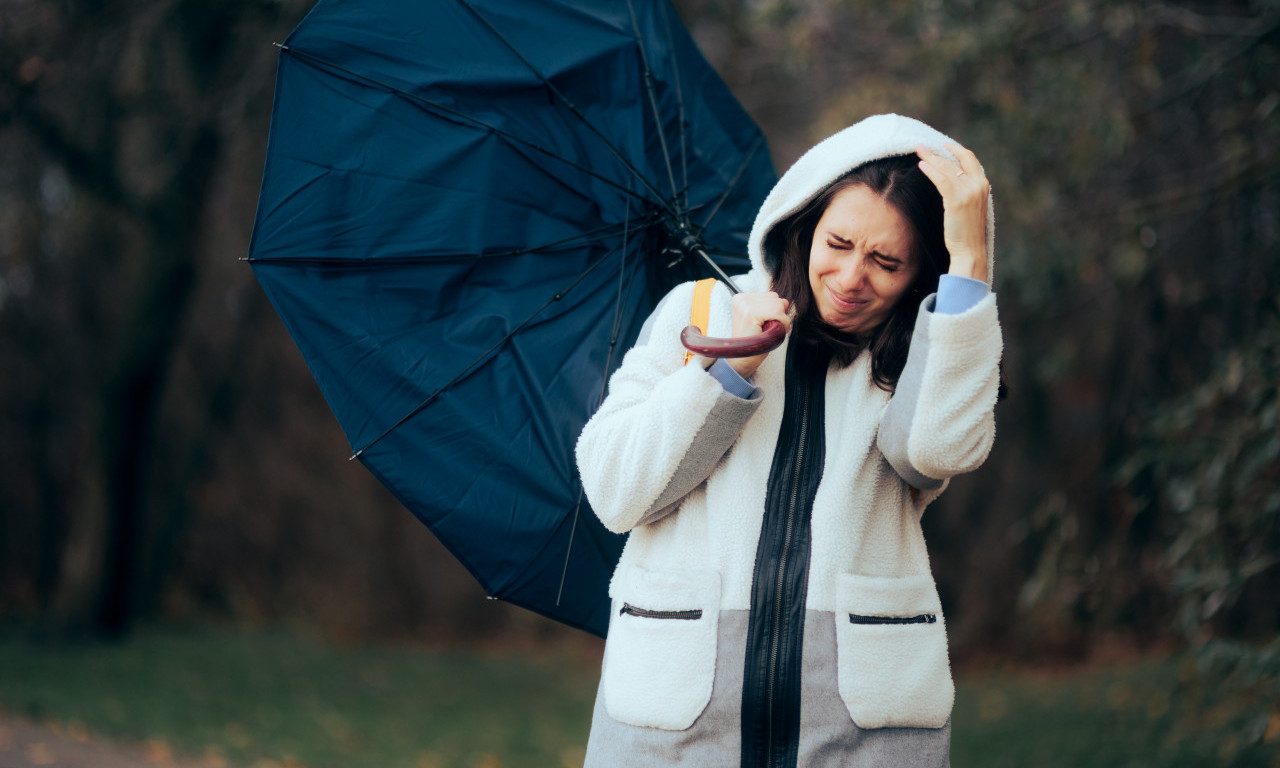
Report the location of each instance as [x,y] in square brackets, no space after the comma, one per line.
[712,742]
[895,427]
[828,736]
[719,432]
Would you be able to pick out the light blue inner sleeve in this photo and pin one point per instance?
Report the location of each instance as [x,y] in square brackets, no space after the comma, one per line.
[731,380]
[956,294]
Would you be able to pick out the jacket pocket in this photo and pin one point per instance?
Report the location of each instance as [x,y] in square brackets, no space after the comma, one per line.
[891,649]
[660,659]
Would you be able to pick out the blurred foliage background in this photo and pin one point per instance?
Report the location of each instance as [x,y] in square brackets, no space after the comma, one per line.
[167,457]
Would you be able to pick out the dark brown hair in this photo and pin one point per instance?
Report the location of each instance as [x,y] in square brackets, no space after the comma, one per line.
[901,183]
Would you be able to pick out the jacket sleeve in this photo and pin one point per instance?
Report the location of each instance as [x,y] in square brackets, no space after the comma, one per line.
[664,425]
[940,421]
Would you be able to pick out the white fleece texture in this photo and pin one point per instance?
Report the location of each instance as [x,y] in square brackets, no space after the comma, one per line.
[658,672]
[656,405]
[951,435]
[893,675]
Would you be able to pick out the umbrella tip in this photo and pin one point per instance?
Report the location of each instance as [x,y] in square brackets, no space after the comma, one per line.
[355,455]
[281,46]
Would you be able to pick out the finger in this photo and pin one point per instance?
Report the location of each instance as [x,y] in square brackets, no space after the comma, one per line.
[945,168]
[936,157]
[967,159]
[772,303]
[770,307]
[783,318]
[942,179]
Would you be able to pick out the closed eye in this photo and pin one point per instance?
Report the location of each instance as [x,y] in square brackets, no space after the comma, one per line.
[887,263]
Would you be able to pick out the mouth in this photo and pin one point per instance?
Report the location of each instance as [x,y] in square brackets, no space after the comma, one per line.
[843,303]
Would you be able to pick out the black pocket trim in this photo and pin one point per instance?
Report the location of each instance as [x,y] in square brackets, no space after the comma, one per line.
[924,618]
[645,613]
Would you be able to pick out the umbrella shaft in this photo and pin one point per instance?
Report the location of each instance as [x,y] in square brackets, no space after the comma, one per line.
[719,272]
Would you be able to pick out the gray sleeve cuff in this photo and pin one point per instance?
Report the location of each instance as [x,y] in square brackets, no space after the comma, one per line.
[718,434]
[731,380]
[957,294]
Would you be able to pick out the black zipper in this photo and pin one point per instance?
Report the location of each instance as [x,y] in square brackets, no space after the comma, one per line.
[631,610]
[924,618]
[772,670]
[782,570]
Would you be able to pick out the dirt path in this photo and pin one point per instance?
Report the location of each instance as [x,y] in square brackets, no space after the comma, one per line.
[25,743]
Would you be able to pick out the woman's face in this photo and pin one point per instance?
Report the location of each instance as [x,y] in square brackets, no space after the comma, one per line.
[861,261]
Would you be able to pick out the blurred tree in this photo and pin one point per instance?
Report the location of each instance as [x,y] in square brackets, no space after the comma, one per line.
[118,113]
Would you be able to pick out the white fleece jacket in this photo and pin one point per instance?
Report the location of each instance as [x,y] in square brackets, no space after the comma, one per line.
[865,516]
[682,465]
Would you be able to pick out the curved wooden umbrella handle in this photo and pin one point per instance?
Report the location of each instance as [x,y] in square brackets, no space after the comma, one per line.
[770,336]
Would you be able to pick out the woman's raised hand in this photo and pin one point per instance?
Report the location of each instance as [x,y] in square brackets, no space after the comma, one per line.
[965,192]
[750,312]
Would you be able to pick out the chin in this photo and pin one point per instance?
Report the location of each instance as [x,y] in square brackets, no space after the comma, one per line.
[844,325]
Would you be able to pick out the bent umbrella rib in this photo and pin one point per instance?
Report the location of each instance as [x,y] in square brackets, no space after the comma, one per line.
[582,238]
[447,111]
[653,101]
[604,381]
[572,108]
[474,364]
[733,183]
[675,66]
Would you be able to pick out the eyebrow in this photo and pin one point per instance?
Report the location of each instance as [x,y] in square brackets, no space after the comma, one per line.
[881,254]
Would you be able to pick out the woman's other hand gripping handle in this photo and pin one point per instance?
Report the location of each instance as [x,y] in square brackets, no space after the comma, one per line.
[760,323]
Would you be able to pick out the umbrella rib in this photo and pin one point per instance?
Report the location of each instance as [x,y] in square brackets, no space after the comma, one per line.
[675,65]
[571,106]
[653,101]
[617,307]
[459,115]
[469,367]
[737,177]
[582,238]
[604,380]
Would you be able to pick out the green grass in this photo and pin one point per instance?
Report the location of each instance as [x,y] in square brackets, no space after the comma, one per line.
[271,696]
[1154,713]
[274,697]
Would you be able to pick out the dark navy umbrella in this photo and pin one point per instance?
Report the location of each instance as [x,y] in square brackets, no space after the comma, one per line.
[468,209]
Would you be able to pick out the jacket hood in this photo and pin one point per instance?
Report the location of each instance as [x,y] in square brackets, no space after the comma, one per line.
[874,138]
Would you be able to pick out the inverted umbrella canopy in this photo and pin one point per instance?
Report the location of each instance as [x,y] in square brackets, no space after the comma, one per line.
[468,208]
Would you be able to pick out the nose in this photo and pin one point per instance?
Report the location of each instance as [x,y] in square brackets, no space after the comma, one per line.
[853,273]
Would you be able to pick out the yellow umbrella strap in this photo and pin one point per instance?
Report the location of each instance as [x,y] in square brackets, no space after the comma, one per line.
[700,312]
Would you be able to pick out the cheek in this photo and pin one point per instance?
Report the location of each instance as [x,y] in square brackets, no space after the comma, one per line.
[892,286]
[902,281]
[818,263]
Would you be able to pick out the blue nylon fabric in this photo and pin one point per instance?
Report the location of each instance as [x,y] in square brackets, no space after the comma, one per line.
[425,193]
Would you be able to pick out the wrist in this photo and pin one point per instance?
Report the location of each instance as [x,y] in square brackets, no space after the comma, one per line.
[745,366]
[968,265]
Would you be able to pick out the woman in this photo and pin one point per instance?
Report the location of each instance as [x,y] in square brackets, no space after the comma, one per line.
[773,605]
